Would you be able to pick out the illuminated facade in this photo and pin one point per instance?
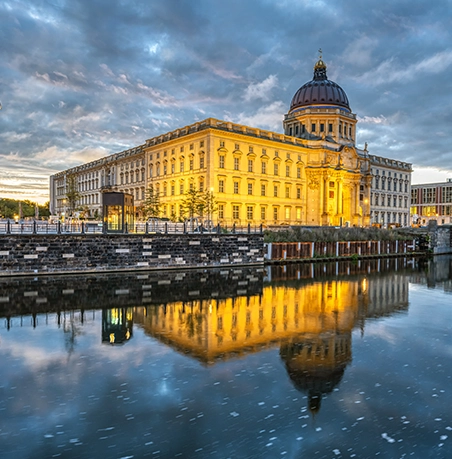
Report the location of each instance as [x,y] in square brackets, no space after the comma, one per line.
[432,201]
[313,174]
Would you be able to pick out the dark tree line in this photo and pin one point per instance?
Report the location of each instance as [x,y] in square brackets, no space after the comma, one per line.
[11,208]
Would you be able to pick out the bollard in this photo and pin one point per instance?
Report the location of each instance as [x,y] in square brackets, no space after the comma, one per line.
[59,227]
[126,228]
[34,226]
[249,228]
[233,228]
[146,228]
[8,227]
[83,228]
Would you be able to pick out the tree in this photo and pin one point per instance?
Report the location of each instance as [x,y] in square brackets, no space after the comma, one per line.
[151,205]
[193,203]
[72,193]
[210,205]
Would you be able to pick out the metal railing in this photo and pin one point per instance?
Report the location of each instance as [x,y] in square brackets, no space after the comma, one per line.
[161,227]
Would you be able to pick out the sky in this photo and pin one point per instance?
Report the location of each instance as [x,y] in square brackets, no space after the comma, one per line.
[83,79]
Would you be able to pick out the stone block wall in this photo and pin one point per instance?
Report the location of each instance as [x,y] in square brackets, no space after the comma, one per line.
[45,254]
[440,238]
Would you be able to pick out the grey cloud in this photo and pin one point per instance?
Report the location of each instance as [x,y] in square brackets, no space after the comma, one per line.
[110,74]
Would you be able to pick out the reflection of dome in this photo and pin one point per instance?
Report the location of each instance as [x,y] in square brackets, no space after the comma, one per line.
[314,367]
[319,91]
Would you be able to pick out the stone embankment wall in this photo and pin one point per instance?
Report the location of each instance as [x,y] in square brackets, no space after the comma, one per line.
[52,254]
[312,250]
[440,238]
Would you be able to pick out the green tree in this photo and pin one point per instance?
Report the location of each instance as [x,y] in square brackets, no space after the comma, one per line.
[210,205]
[72,194]
[193,203]
[151,205]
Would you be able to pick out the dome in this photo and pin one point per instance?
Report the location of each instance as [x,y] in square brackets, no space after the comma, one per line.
[320,91]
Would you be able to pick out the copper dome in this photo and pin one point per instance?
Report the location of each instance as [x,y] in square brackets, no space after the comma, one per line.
[320,91]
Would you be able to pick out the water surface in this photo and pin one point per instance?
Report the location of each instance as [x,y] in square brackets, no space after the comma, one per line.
[296,361]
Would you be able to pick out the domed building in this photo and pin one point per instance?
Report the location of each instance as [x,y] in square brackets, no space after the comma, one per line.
[312,174]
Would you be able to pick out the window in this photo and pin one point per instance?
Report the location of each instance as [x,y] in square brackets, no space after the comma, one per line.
[237,146]
[191,146]
[220,210]
[221,162]
[275,191]
[298,193]
[221,143]
[287,192]
[164,169]
[263,190]
[201,144]
[181,188]
[296,129]
[236,164]
[298,213]
[250,165]
[287,171]
[394,201]
[313,127]
[276,169]
[322,127]
[235,212]
[263,213]
[201,162]
[250,188]
[173,189]
[173,168]
[287,213]
[191,164]
[250,149]
[236,187]
[330,127]
[249,212]
[181,149]
[298,172]
[264,167]
[221,186]
[275,214]
[181,166]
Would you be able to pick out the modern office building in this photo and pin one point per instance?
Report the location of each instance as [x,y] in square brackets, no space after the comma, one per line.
[432,201]
[313,174]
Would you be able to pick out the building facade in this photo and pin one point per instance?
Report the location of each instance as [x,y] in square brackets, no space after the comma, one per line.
[390,193]
[432,201]
[313,174]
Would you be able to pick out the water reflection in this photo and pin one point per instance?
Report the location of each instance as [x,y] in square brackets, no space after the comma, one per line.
[223,359]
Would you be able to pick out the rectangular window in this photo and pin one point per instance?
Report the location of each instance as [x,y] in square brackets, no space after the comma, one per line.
[275,214]
[221,161]
[298,172]
[237,146]
[220,210]
[276,169]
[250,165]
[191,164]
[250,188]
[236,187]
[173,190]
[298,213]
[236,164]
[287,213]
[181,188]
[263,213]
[263,190]
[275,191]
[298,193]
[330,127]
[181,166]
[313,127]
[173,168]
[287,192]
[264,167]
[201,162]
[201,144]
[191,146]
[221,186]
[322,127]
[249,212]
[221,143]
[235,212]
[287,171]
[250,149]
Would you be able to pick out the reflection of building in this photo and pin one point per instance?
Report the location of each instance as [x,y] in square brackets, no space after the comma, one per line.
[117,325]
[316,364]
[432,201]
[312,174]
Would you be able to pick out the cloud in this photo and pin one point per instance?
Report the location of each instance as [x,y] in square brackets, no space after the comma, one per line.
[261,90]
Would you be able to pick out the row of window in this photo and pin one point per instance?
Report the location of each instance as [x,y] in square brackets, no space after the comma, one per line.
[429,195]
[385,218]
[164,153]
[376,172]
[394,201]
[402,186]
